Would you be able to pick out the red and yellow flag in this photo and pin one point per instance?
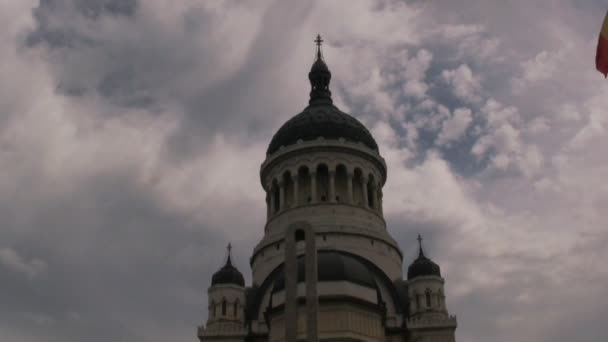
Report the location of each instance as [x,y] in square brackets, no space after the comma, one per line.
[601,57]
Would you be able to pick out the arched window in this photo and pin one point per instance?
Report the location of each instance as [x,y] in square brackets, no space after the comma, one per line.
[323,183]
[288,186]
[371,189]
[341,184]
[417,301]
[276,197]
[235,308]
[358,187]
[224,307]
[213,309]
[428,298]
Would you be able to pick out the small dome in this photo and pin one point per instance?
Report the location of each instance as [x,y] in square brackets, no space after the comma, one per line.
[319,66]
[325,121]
[423,266]
[333,266]
[228,274]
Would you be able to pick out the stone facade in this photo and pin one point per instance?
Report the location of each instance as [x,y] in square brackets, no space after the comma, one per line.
[324,196]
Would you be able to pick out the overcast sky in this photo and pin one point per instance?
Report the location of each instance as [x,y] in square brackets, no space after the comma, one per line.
[132,131]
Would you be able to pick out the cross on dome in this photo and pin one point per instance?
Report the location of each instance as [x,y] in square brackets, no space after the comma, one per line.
[319,41]
[420,244]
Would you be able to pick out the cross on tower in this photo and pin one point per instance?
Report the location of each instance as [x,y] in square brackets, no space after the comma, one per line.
[420,244]
[319,41]
[229,248]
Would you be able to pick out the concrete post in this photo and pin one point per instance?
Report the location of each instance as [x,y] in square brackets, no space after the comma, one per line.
[291,280]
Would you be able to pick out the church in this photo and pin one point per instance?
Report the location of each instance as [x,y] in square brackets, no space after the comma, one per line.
[327,268]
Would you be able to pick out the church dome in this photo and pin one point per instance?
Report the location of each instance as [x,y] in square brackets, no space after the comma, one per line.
[325,121]
[422,266]
[333,266]
[228,274]
[321,118]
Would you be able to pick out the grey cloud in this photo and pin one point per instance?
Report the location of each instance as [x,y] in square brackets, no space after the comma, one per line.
[124,262]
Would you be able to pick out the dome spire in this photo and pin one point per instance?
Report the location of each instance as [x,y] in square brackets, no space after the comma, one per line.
[229,249]
[319,77]
[422,266]
[420,252]
[319,41]
[228,274]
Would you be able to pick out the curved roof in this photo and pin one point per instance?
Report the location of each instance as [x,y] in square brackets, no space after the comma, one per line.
[324,120]
[321,118]
[423,266]
[333,266]
[228,274]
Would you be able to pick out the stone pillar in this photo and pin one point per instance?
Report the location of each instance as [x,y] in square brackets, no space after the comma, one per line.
[332,186]
[349,185]
[291,282]
[312,302]
[281,195]
[364,181]
[313,187]
[296,187]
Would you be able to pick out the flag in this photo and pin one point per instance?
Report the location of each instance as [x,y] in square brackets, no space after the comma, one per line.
[601,57]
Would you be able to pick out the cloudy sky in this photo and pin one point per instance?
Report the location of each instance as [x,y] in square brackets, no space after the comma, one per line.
[132,131]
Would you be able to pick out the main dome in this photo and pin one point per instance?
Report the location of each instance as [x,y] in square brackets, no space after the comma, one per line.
[321,118]
[324,120]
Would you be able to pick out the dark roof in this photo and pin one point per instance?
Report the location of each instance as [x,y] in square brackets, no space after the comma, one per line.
[423,266]
[325,121]
[228,274]
[321,118]
[333,266]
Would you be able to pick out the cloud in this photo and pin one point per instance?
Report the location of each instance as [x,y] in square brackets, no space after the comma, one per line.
[14,262]
[131,130]
[454,127]
[465,85]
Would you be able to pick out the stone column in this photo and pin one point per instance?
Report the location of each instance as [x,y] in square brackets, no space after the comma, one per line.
[312,302]
[332,186]
[281,195]
[364,181]
[349,185]
[291,282]
[313,187]
[296,187]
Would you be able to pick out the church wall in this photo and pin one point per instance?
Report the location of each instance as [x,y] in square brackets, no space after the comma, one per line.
[337,322]
[322,165]
[379,252]
[418,287]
